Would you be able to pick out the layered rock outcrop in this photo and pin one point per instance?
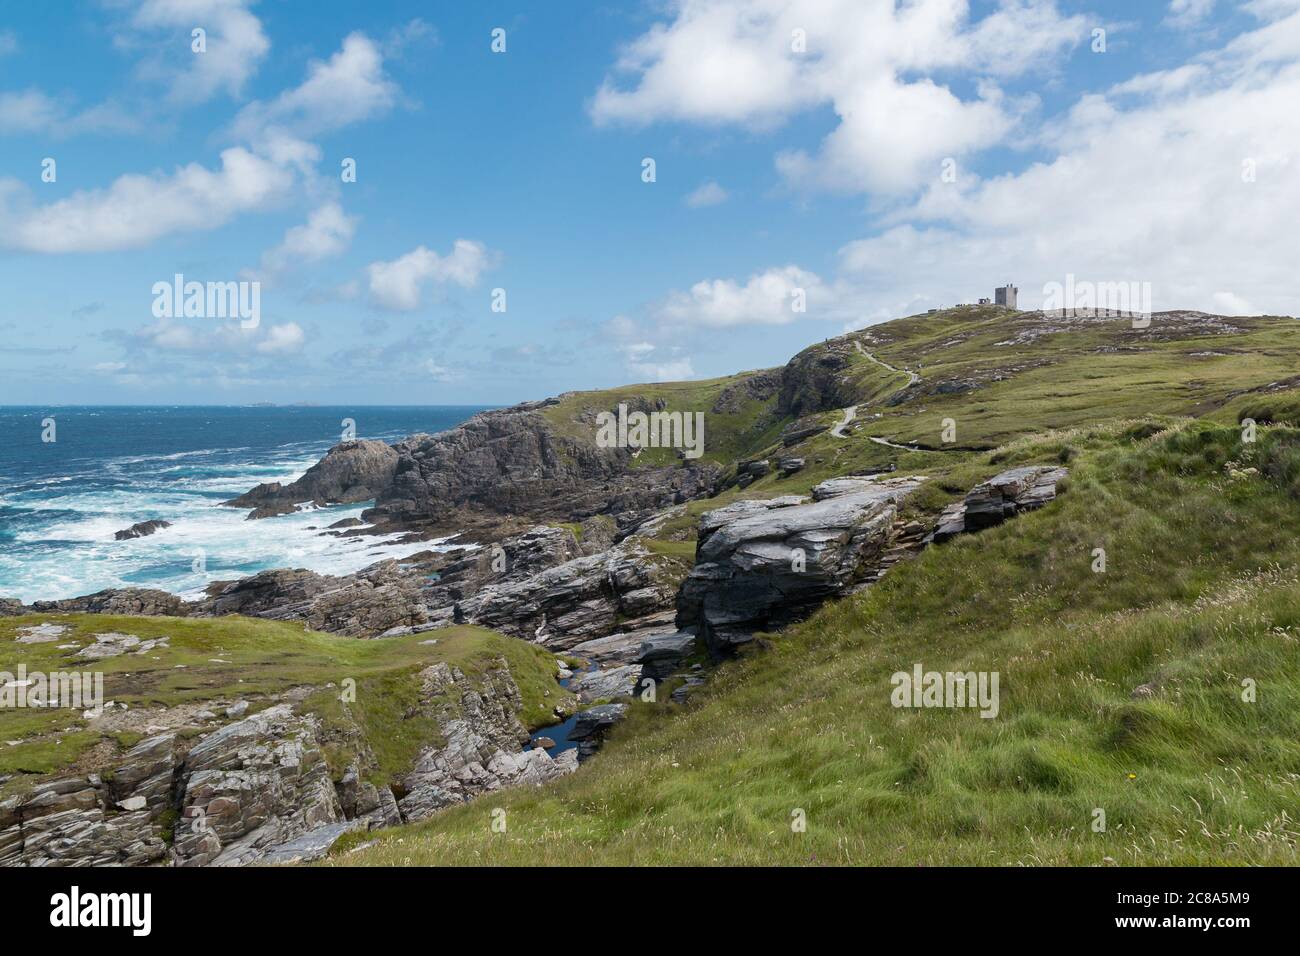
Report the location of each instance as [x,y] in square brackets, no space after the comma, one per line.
[581,599]
[259,789]
[1001,497]
[511,463]
[763,564]
[384,596]
[481,751]
[252,785]
[141,601]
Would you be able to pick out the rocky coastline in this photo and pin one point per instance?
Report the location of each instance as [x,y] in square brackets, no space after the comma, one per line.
[559,550]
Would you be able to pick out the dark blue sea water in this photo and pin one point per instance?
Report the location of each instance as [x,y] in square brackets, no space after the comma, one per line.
[109,467]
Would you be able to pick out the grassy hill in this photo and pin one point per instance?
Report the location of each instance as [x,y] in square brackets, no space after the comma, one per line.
[1201,591]
[1121,691]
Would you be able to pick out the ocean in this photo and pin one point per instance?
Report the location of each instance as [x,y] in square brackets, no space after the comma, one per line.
[109,467]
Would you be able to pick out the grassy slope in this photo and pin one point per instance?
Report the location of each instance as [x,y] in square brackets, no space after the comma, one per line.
[1093,373]
[728,435]
[1200,591]
[1098,372]
[263,658]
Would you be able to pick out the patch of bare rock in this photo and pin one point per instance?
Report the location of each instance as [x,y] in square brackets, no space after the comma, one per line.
[1001,497]
[259,789]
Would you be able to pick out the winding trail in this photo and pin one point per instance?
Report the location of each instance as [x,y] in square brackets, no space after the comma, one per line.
[886,441]
[912,377]
[851,412]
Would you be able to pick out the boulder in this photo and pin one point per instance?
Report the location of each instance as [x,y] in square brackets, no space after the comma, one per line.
[682,693]
[596,721]
[761,564]
[605,684]
[1001,497]
[576,601]
[797,432]
[624,646]
[663,654]
[140,530]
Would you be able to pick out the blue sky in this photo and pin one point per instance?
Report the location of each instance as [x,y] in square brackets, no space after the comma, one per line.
[777,169]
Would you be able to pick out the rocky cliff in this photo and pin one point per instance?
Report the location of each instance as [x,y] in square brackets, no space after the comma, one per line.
[512,464]
[259,788]
[351,472]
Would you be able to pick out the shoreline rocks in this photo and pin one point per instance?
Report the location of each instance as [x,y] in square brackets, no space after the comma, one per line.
[140,529]
[351,472]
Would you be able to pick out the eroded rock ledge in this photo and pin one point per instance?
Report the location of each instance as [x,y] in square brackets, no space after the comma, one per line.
[260,790]
[763,564]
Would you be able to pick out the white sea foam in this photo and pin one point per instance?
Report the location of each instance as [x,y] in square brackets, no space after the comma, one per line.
[52,557]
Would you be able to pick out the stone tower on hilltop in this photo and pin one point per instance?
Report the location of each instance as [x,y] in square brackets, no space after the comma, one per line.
[1005,296]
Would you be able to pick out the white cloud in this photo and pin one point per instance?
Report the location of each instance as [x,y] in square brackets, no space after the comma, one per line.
[397,285]
[33,111]
[876,64]
[670,370]
[208,337]
[1188,13]
[327,233]
[1150,181]
[282,339]
[138,209]
[643,360]
[439,373]
[766,298]
[715,63]
[236,45]
[348,87]
[1229,303]
[8,43]
[708,194]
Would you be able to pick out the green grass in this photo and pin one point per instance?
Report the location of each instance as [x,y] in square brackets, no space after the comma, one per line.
[728,434]
[1200,592]
[236,657]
